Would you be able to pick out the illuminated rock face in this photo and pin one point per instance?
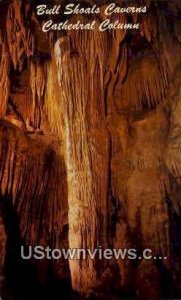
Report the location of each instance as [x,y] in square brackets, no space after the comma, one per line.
[90,148]
[86,148]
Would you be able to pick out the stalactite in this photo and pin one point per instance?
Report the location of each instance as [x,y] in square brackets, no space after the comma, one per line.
[166,47]
[4,79]
[19,34]
[116,39]
[38,84]
[21,96]
[34,177]
[145,86]
[173,150]
[123,65]
[53,104]
[149,26]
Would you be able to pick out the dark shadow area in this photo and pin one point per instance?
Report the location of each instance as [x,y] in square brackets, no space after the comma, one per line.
[21,280]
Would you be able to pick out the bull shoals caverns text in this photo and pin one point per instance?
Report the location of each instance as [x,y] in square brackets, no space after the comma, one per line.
[74,11]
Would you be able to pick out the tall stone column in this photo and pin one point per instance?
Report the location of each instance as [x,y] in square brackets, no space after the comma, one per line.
[80,59]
